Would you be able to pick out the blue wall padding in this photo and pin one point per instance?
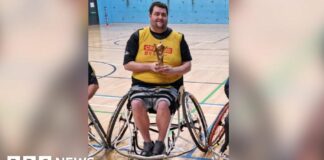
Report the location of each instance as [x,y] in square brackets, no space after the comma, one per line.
[180,11]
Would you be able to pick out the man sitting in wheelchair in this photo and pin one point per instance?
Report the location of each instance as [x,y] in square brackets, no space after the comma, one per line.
[156,82]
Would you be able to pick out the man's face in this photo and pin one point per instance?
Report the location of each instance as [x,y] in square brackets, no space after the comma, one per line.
[159,18]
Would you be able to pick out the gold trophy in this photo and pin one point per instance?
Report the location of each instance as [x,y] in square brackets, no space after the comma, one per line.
[159,49]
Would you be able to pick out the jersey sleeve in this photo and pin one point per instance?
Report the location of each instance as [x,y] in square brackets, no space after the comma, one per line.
[185,52]
[92,79]
[131,48]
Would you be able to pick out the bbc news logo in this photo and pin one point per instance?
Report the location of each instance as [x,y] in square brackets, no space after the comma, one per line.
[44,158]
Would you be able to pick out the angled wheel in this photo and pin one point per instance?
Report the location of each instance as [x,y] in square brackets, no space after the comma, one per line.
[195,120]
[118,122]
[96,134]
[217,130]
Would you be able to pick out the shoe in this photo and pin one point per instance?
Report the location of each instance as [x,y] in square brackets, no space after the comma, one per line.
[147,149]
[159,148]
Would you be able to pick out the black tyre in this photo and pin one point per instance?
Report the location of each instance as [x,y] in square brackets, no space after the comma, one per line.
[195,120]
[96,134]
[217,130]
[118,122]
[94,120]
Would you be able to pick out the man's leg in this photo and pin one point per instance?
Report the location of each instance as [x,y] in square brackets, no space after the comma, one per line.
[163,116]
[141,118]
[142,122]
[162,120]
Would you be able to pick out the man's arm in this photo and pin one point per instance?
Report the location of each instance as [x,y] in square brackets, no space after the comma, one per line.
[142,67]
[184,68]
[93,85]
[92,89]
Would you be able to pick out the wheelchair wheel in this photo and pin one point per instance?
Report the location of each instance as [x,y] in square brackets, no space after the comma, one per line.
[217,130]
[195,120]
[118,122]
[96,135]
[220,136]
[94,120]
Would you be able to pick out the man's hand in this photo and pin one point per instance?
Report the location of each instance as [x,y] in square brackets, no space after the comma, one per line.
[155,67]
[166,69]
[179,70]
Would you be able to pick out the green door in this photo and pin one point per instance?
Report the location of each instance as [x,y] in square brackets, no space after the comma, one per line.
[93,12]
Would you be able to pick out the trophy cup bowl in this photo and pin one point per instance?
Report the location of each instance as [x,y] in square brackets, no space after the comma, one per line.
[159,49]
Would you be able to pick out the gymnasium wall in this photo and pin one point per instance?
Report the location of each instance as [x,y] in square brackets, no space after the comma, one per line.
[180,11]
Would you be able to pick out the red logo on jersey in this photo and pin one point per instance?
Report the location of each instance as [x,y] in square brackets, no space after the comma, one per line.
[149,50]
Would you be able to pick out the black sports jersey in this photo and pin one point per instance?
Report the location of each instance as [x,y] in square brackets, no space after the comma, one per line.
[92,79]
[226,88]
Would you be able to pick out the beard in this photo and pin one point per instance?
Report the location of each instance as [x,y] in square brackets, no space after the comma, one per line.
[160,25]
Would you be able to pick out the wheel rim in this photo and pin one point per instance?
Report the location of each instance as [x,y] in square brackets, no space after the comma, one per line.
[217,130]
[196,121]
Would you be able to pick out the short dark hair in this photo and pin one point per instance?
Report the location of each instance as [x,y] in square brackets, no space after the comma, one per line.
[158,4]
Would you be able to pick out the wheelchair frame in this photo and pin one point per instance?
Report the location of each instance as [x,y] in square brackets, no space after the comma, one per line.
[132,149]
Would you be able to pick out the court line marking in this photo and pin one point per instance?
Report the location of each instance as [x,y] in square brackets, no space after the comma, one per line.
[213,92]
[109,73]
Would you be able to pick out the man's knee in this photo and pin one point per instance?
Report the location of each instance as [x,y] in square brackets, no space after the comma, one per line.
[163,105]
[137,104]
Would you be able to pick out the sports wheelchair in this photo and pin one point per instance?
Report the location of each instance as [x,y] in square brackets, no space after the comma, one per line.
[123,136]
